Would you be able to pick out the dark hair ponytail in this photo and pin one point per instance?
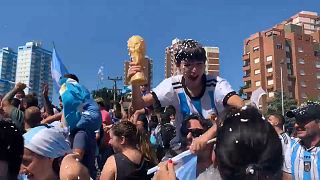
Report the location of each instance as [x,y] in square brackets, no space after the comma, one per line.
[145,147]
[134,138]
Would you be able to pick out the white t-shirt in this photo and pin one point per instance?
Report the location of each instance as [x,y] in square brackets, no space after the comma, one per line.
[171,91]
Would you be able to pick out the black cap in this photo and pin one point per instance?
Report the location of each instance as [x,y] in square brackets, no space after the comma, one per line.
[305,113]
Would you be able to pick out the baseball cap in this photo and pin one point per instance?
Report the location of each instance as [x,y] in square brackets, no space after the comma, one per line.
[305,113]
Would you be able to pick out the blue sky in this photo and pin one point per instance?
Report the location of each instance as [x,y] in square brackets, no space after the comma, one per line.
[88,34]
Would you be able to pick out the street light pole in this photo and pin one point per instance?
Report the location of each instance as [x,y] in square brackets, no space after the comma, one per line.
[281,77]
[115,79]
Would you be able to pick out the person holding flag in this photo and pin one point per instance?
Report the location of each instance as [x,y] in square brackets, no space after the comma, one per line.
[58,69]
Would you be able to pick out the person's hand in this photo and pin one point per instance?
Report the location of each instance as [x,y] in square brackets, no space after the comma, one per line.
[45,90]
[106,128]
[133,69]
[44,115]
[20,86]
[165,171]
[198,144]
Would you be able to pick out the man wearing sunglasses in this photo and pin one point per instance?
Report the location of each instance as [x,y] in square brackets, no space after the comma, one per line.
[305,149]
[193,127]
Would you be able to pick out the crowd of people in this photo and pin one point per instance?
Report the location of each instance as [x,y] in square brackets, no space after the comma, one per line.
[83,138]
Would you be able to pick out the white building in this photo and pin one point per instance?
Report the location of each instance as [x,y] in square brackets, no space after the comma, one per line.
[8,64]
[309,21]
[33,68]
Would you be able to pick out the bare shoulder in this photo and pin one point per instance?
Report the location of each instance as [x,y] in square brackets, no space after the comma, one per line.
[109,169]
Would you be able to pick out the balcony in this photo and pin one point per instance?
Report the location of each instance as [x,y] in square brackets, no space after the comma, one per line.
[291,76]
[246,67]
[246,56]
[247,86]
[246,63]
[246,77]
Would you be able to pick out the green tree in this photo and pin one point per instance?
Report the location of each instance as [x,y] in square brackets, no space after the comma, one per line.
[105,93]
[242,94]
[274,107]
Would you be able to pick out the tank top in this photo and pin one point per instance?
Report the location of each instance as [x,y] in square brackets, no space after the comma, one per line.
[128,170]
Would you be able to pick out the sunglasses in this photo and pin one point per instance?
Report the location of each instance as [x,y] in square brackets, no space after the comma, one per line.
[194,132]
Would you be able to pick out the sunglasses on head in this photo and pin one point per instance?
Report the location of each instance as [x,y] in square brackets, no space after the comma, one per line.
[194,132]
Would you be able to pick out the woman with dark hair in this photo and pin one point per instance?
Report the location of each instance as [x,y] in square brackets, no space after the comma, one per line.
[11,150]
[248,147]
[133,154]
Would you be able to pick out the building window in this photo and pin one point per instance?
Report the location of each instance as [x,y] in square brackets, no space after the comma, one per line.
[288,60]
[287,49]
[308,38]
[279,46]
[257,60]
[302,73]
[258,83]
[301,60]
[289,83]
[257,71]
[318,75]
[270,94]
[269,70]
[300,49]
[270,82]
[255,48]
[317,64]
[269,58]
[303,84]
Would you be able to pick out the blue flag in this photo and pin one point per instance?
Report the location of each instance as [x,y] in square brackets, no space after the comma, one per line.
[79,109]
[57,69]
[186,167]
[126,90]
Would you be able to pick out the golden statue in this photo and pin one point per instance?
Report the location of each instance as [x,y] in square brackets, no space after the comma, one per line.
[137,51]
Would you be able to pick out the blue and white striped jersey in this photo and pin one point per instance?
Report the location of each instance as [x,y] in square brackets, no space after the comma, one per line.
[286,146]
[172,91]
[305,164]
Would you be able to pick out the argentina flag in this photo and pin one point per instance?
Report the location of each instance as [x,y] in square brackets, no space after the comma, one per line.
[79,109]
[58,69]
[185,166]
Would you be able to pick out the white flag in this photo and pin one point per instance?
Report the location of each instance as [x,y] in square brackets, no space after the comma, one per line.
[100,73]
[256,95]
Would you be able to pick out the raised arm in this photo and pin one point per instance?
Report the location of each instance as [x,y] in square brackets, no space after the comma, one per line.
[47,103]
[138,101]
[6,101]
